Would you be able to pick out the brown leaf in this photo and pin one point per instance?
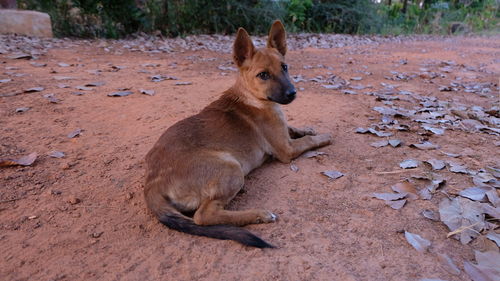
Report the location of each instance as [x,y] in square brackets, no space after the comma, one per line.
[84,88]
[57,154]
[51,98]
[425,146]
[120,94]
[311,154]
[381,143]
[19,56]
[75,133]
[396,205]
[23,161]
[147,92]
[95,84]
[333,175]
[420,244]
[35,89]
[406,188]
[448,263]
[183,83]
[430,215]
[389,196]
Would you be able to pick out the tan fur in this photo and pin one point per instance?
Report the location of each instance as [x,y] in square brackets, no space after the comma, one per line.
[199,164]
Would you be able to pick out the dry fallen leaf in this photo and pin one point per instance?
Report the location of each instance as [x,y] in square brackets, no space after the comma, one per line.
[436,131]
[349,92]
[436,164]
[425,194]
[495,237]
[35,89]
[396,205]
[333,175]
[159,78]
[311,154]
[75,133]
[57,154]
[452,155]
[381,143]
[147,92]
[19,56]
[22,109]
[51,98]
[23,161]
[457,168]
[448,263]
[430,215]
[406,187]
[84,88]
[425,145]
[389,196]
[63,78]
[409,164]
[373,131]
[95,84]
[395,142]
[487,268]
[463,217]
[183,83]
[120,94]
[483,177]
[36,64]
[476,193]
[419,243]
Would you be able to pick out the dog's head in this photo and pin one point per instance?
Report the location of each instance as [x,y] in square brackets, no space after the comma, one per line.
[264,71]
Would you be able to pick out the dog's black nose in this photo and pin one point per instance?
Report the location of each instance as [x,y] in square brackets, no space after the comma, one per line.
[291,93]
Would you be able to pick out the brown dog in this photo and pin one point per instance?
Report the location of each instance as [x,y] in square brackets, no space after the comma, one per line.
[199,164]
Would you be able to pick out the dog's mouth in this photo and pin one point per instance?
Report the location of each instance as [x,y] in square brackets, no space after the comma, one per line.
[282,99]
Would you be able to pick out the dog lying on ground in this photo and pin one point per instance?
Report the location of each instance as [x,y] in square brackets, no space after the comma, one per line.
[199,164]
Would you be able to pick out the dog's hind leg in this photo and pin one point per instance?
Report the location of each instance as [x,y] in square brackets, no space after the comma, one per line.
[211,212]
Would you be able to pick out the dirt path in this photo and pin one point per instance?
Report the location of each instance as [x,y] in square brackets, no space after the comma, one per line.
[83,217]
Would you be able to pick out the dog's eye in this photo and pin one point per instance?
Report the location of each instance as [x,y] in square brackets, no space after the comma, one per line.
[264,75]
[284,67]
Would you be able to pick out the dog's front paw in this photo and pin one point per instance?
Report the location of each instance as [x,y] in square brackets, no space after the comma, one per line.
[323,139]
[308,131]
[266,217]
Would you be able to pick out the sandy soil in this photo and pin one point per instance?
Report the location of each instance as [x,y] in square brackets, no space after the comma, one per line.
[83,217]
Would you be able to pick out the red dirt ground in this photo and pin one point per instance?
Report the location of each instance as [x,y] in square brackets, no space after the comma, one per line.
[83,217]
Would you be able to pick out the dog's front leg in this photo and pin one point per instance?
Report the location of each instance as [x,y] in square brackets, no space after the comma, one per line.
[288,149]
[296,133]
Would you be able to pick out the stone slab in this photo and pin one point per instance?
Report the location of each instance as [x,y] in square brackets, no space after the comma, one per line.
[24,22]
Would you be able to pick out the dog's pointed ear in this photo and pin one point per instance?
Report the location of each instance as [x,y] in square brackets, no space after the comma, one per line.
[277,37]
[243,48]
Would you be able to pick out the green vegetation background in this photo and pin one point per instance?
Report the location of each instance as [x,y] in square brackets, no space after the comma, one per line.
[118,18]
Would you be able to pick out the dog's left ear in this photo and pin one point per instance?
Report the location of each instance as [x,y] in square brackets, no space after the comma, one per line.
[243,48]
[277,37]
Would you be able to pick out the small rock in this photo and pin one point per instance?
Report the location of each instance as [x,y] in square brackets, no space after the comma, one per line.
[97,234]
[73,200]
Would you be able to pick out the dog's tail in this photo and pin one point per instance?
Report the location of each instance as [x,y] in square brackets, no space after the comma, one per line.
[224,232]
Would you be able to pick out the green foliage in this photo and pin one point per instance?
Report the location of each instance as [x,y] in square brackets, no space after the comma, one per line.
[297,10]
[437,16]
[117,18]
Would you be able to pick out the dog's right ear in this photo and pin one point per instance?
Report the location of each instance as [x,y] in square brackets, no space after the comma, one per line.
[243,48]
